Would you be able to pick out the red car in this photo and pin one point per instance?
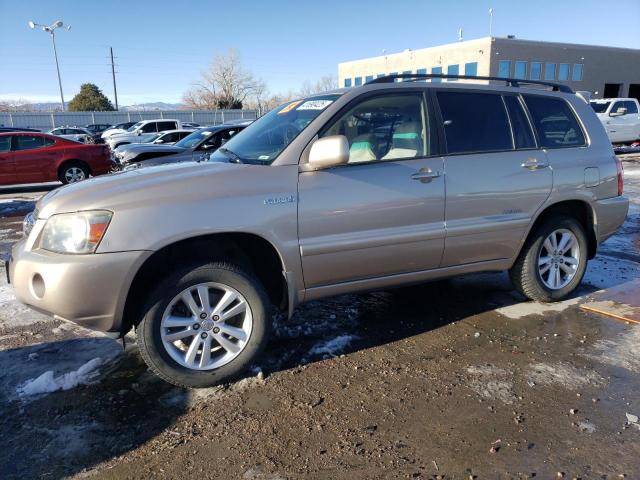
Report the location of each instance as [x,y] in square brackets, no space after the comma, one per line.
[27,157]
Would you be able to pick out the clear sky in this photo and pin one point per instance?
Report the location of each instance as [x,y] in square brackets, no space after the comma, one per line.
[161,46]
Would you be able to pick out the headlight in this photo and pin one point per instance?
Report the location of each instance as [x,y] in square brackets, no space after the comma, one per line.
[79,232]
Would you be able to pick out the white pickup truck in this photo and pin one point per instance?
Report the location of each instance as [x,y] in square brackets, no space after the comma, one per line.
[620,118]
[142,127]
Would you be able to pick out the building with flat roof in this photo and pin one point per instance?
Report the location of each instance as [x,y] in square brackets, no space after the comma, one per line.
[603,71]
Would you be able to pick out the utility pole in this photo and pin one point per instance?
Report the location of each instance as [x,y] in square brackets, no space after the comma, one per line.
[113,75]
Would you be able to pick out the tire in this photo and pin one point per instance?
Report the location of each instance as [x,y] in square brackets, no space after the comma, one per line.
[167,360]
[72,172]
[526,273]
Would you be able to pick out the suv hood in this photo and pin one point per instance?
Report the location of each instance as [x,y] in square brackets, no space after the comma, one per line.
[130,189]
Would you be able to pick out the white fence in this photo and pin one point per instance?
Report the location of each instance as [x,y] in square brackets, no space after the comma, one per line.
[46,121]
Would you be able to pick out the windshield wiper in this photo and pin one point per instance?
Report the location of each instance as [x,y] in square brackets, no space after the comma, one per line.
[233,157]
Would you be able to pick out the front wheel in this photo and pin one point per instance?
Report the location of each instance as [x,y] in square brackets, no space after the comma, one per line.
[204,325]
[553,261]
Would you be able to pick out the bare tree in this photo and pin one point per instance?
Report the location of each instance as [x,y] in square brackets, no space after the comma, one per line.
[225,84]
[323,84]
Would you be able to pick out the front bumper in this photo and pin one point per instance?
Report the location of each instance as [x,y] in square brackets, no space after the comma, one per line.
[89,290]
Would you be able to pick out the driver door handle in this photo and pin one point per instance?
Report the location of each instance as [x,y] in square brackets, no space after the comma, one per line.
[425,175]
[533,163]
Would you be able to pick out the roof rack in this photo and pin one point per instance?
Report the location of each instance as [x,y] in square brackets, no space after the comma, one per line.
[511,82]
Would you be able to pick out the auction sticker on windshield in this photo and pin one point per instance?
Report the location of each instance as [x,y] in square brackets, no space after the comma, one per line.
[291,106]
[315,105]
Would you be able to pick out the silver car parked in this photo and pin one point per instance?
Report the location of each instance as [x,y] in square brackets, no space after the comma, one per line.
[378,186]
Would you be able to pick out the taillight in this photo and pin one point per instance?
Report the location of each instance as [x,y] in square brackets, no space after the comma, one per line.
[620,175]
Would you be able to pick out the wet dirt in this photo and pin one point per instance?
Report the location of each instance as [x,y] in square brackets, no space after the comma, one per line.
[453,379]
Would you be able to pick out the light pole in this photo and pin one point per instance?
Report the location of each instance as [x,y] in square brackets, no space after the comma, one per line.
[52,30]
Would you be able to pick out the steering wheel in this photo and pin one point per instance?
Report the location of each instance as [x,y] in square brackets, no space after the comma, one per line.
[289,132]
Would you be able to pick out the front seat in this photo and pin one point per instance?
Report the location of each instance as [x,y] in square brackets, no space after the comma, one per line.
[361,149]
[405,142]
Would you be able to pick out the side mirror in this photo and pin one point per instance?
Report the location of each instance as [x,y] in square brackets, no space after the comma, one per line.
[329,152]
[159,141]
[619,112]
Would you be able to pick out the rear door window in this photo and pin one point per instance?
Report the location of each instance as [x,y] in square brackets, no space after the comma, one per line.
[522,132]
[149,127]
[27,142]
[474,122]
[162,126]
[555,122]
[5,144]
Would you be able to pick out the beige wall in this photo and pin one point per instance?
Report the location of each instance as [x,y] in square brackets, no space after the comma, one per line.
[600,64]
[443,56]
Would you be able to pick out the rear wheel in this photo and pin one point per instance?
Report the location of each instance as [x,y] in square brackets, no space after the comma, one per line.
[204,325]
[553,261]
[73,172]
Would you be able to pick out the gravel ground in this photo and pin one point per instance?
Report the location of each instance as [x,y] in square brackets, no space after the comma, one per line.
[454,379]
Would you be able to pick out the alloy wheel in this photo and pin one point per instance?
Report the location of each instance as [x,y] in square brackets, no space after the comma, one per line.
[206,326]
[559,259]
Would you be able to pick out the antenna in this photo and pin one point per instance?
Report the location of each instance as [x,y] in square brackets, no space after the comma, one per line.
[491,22]
[460,34]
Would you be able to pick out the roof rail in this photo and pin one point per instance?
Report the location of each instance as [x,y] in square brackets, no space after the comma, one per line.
[511,82]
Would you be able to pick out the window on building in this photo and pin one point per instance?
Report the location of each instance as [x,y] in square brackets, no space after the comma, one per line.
[381,75]
[504,68]
[520,71]
[358,81]
[422,71]
[436,71]
[577,72]
[549,71]
[394,73]
[406,72]
[368,78]
[555,122]
[471,68]
[347,82]
[386,127]
[522,132]
[536,71]
[453,70]
[563,71]
[474,122]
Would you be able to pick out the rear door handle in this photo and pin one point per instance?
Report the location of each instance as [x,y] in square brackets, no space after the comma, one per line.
[532,163]
[425,175]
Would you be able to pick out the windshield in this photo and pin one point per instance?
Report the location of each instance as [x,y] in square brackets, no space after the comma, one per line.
[263,140]
[193,139]
[600,107]
[134,126]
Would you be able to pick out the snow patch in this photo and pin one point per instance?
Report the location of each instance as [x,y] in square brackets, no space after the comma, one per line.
[47,382]
[586,427]
[520,310]
[488,386]
[622,350]
[332,347]
[563,374]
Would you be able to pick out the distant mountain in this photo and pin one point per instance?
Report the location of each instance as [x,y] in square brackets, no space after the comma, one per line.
[55,106]
[154,106]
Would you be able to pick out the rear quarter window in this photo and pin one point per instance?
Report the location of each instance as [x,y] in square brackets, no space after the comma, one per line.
[474,122]
[555,122]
